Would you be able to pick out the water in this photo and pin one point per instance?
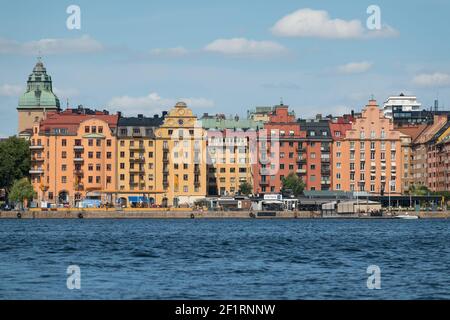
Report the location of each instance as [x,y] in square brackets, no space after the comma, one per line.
[225,259]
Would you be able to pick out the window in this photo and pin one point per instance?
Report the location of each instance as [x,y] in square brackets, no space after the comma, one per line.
[100,129]
[64,179]
[90,142]
[64,142]
[98,167]
[90,154]
[86,129]
[64,154]
[63,167]
[98,143]
[98,155]
[94,129]
[108,155]
[97,179]
[122,154]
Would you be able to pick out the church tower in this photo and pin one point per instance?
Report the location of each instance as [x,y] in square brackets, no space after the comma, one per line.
[37,100]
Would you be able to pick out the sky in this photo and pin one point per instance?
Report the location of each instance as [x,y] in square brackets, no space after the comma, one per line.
[225,56]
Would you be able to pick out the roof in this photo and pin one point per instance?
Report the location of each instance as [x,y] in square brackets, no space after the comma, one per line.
[413,131]
[431,130]
[71,120]
[222,124]
[316,126]
[39,92]
[140,121]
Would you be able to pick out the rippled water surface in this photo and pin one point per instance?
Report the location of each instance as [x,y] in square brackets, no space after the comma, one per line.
[224,259]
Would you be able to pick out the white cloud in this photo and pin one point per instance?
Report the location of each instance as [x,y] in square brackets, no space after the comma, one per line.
[245,47]
[355,67]
[435,80]
[11,90]
[318,24]
[153,103]
[83,44]
[169,52]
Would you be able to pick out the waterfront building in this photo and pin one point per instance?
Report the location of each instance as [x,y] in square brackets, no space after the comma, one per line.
[436,158]
[136,157]
[411,133]
[180,164]
[281,150]
[371,158]
[318,150]
[73,156]
[231,151]
[338,130]
[402,104]
[422,155]
[443,163]
[37,101]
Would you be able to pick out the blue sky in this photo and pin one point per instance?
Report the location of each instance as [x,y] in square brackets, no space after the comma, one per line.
[225,56]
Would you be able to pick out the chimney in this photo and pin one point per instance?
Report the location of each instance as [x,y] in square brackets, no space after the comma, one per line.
[164,113]
[119,114]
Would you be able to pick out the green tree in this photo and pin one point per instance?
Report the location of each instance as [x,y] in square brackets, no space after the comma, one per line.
[22,190]
[418,190]
[245,188]
[293,183]
[14,161]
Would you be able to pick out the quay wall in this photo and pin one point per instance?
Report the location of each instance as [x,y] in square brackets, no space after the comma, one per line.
[184,214]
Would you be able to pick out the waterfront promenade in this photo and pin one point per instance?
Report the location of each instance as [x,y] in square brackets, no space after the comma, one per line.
[190,214]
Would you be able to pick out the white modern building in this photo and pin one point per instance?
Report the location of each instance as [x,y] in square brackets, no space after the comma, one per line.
[400,103]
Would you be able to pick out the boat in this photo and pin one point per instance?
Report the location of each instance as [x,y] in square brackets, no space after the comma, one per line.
[407,216]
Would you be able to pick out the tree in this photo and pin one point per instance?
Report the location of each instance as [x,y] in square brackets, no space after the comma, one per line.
[14,161]
[245,188]
[22,190]
[418,190]
[293,183]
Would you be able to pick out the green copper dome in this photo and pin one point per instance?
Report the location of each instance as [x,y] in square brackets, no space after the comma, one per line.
[39,92]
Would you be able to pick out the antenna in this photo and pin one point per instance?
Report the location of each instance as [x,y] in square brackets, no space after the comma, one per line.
[281,101]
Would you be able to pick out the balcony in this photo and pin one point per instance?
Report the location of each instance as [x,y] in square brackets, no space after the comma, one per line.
[137,170]
[165,159]
[37,159]
[137,148]
[36,147]
[326,160]
[197,170]
[301,160]
[264,183]
[165,184]
[79,187]
[78,159]
[36,171]
[301,171]
[325,172]
[137,160]
[197,184]
[78,148]
[264,171]
[78,172]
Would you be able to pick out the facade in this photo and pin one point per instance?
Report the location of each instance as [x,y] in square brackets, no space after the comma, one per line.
[73,156]
[421,152]
[37,101]
[318,150]
[338,130]
[435,158]
[400,103]
[443,163]
[371,157]
[230,152]
[281,151]
[180,164]
[136,157]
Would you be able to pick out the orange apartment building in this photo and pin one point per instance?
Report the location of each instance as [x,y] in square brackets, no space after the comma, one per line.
[73,155]
[371,154]
[338,129]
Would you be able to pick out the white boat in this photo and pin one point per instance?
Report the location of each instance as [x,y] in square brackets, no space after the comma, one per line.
[406,216]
